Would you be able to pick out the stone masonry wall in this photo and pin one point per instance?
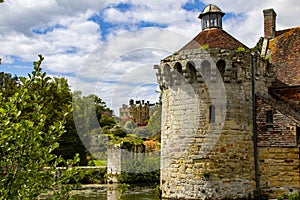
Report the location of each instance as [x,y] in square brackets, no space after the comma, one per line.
[207,149]
[113,163]
[201,158]
[278,154]
[279,170]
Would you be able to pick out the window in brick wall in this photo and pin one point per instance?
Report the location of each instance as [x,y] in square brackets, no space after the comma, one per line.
[298,134]
[212,114]
[269,117]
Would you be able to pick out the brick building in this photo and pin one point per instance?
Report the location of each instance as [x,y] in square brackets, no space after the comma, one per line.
[230,115]
[278,110]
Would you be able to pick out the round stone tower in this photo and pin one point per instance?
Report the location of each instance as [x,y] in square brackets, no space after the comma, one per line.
[207,149]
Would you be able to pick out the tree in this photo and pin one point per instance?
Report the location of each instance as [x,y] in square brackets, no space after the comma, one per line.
[143,132]
[118,132]
[27,141]
[154,123]
[130,126]
[91,115]
[58,99]
[8,84]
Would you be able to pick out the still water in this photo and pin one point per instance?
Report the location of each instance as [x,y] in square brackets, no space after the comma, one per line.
[112,193]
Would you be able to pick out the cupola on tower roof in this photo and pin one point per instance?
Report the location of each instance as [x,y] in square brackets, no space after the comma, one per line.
[211,17]
[212,34]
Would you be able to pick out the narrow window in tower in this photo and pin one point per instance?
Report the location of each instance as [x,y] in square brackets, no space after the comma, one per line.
[221,67]
[192,72]
[206,70]
[269,117]
[297,135]
[212,114]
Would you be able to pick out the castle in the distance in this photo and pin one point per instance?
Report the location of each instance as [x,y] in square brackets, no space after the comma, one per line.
[138,111]
[230,114]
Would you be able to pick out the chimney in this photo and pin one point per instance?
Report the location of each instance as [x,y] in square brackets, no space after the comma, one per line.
[131,102]
[269,23]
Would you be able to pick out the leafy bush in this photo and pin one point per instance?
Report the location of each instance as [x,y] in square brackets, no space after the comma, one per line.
[141,170]
[147,178]
[143,132]
[93,176]
[240,50]
[27,142]
[130,125]
[118,132]
[294,196]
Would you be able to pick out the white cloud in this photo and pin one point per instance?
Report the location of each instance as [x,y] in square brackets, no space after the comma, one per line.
[64,47]
[123,66]
[247,26]
[119,67]
[166,12]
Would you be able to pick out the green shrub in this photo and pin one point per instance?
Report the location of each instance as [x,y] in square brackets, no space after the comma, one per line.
[240,50]
[93,176]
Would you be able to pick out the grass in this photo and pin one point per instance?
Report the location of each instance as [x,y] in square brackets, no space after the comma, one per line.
[100,162]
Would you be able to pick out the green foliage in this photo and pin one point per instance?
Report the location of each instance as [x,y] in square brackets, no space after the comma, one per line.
[122,188]
[240,50]
[58,99]
[205,47]
[92,119]
[143,132]
[27,141]
[143,170]
[100,162]
[154,123]
[267,58]
[130,125]
[8,85]
[93,176]
[293,196]
[158,192]
[118,132]
[146,178]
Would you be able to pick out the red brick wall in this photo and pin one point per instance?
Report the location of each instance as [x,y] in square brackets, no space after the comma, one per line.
[269,23]
[280,133]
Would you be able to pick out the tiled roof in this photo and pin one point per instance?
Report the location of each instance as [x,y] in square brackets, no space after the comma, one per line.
[214,38]
[287,94]
[285,53]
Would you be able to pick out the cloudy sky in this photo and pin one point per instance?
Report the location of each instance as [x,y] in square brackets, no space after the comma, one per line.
[109,47]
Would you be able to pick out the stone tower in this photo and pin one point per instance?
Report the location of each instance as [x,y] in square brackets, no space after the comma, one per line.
[207,145]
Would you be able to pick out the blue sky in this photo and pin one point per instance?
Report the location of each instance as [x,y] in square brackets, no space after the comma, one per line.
[109,47]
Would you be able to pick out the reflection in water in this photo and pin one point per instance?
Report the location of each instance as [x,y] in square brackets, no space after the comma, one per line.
[112,193]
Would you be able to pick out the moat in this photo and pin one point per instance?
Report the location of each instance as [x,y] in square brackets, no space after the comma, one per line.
[113,193]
